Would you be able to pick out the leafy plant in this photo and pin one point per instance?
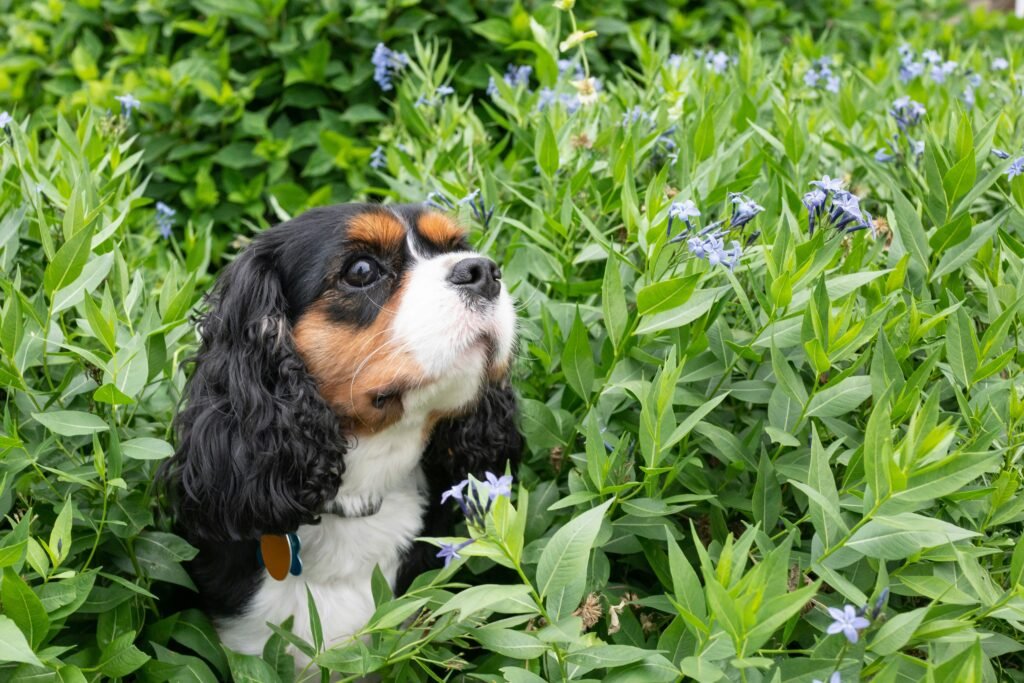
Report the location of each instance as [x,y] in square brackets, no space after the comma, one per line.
[755,451]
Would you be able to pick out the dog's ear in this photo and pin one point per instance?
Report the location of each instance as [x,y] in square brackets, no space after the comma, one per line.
[483,440]
[259,450]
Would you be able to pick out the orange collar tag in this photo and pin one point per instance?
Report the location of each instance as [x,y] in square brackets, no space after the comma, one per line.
[280,555]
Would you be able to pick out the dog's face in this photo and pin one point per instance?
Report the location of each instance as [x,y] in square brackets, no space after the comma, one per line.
[329,328]
[409,320]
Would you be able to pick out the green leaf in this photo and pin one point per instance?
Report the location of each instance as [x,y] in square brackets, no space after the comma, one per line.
[613,303]
[24,608]
[547,148]
[961,347]
[13,646]
[767,496]
[121,657]
[514,644]
[71,422]
[147,448]
[562,569]
[60,535]
[841,398]
[249,668]
[897,537]
[578,359]
[514,599]
[959,179]
[68,262]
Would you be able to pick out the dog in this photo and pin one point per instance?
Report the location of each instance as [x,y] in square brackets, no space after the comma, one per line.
[353,364]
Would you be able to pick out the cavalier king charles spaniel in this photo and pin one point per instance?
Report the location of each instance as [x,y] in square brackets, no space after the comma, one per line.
[352,365]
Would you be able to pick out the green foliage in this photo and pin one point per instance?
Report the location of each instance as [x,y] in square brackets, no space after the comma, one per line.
[715,456]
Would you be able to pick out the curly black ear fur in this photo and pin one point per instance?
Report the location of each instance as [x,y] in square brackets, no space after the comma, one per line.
[259,450]
[484,440]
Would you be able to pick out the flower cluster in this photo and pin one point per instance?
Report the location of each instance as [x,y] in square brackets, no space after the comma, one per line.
[515,75]
[911,67]
[164,219]
[378,158]
[475,499]
[832,206]
[709,243]
[129,103]
[715,60]
[386,63]
[474,200]
[908,114]
[1016,168]
[637,113]
[820,75]
[481,211]
[440,93]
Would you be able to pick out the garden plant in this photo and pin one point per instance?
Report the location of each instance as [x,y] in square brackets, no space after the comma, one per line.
[769,266]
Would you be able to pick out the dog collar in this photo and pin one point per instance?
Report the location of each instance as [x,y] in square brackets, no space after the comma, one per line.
[280,554]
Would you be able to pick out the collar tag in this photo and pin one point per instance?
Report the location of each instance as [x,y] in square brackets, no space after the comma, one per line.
[280,555]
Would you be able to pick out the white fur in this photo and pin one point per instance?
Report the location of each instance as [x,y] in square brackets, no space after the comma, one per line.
[447,338]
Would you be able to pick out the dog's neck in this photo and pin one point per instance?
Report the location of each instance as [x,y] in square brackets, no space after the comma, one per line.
[382,463]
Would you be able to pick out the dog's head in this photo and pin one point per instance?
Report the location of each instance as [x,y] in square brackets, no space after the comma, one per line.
[329,328]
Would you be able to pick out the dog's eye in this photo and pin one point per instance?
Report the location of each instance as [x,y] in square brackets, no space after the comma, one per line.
[362,273]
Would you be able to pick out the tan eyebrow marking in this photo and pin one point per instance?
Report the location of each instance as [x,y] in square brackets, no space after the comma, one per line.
[439,229]
[377,228]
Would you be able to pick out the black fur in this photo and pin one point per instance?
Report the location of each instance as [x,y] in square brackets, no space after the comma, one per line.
[259,450]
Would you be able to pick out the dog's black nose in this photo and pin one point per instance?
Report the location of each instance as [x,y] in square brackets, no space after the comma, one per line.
[479,276]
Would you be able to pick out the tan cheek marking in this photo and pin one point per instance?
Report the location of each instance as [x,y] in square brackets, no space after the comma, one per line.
[351,366]
[439,229]
[377,228]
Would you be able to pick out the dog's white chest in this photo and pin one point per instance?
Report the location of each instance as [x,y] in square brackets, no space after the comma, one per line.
[338,558]
[339,554]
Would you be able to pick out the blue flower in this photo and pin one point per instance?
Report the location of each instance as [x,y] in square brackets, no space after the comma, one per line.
[128,103]
[833,84]
[1000,64]
[675,61]
[451,551]
[445,90]
[906,52]
[940,72]
[880,603]
[566,65]
[378,158]
[545,98]
[910,70]
[931,56]
[712,248]
[827,184]
[718,61]
[1000,154]
[743,211]
[847,622]
[455,492]
[498,486]
[635,114]
[883,155]
[682,210]
[811,78]
[907,112]
[5,119]
[386,63]
[481,211]
[1016,168]
[164,219]
[916,146]
[834,678]
[438,201]
[968,97]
